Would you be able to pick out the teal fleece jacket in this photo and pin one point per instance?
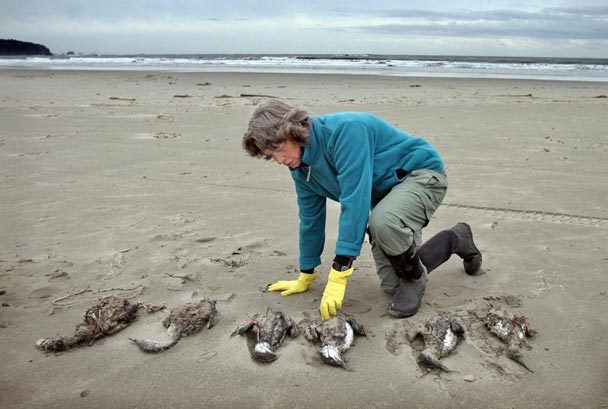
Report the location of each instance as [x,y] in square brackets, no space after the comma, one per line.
[351,158]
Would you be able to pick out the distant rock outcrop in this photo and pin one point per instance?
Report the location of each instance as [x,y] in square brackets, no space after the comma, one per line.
[15,47]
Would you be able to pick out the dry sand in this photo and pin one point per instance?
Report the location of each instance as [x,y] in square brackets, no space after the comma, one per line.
[93,204]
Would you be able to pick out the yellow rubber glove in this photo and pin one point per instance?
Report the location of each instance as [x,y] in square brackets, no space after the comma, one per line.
[334,293]
[289,287]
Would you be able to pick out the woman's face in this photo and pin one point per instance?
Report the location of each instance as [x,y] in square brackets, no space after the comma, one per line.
[289,153]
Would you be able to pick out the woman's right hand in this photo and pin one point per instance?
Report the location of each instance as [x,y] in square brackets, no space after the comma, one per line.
[289,287]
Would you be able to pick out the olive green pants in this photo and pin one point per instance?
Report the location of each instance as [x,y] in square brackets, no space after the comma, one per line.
[396,223]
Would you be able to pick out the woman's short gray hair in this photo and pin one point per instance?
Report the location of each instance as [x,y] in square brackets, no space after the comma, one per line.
[271,124]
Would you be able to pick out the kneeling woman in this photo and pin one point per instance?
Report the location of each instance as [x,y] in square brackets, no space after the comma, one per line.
[387,182]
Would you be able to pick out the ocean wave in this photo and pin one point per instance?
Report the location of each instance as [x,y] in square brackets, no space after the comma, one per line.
[490,67]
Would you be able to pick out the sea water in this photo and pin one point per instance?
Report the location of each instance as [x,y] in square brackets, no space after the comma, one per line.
[570,69]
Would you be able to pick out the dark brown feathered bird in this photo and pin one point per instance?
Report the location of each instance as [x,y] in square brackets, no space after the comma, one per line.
[109,316]
[513,330]
[183,321]
[336,336]
[270,330]
[440,335]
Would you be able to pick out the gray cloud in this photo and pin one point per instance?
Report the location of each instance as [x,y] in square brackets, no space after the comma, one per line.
[555,23]
[589,11]
[595,31]
[145,9]
[596,13]
[314,26]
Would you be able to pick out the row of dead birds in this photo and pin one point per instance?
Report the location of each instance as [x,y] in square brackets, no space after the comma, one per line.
[439,335]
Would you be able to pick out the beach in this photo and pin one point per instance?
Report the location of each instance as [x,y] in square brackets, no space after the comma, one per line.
[135,184]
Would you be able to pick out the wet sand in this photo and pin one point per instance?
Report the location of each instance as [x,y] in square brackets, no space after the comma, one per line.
[135,184]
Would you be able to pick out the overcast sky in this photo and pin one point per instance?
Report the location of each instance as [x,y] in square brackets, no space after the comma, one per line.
[545,28]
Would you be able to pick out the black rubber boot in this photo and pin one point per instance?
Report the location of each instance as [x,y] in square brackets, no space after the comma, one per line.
[406,301]
[438,249]
[466,249]
[407,265]
[459,239]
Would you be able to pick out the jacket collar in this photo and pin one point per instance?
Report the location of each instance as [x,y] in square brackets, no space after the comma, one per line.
[311,151]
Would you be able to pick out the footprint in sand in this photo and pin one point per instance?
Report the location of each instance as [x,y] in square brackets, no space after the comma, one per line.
[181,219]
[166,237]
[42,293]
[205,239]
[252,246]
